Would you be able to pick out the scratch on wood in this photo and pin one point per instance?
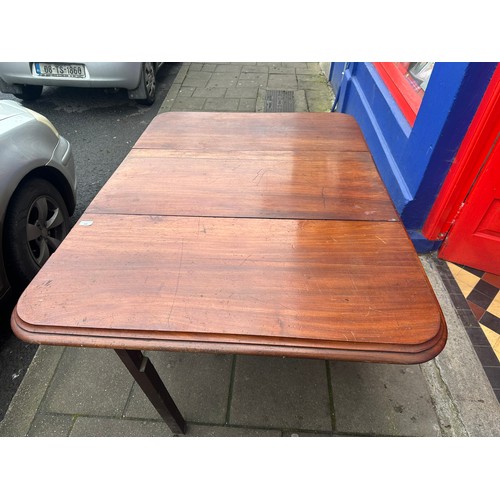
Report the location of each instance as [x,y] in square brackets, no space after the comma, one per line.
[246,258]
[178,279]
[260,175]
[353,283]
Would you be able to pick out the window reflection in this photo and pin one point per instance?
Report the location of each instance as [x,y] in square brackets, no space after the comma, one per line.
[417,73]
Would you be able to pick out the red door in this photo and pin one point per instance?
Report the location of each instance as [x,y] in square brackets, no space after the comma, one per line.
[467,210]
[474,238]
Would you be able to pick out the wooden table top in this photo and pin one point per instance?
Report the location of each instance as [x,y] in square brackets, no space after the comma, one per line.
[192,247]
[236,132]
[303,185]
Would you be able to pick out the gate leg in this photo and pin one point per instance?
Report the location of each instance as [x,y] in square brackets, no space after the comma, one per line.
[150,382]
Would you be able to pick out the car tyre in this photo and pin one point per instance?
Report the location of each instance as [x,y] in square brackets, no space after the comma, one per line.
[36,222]
[30,92]
[149,82]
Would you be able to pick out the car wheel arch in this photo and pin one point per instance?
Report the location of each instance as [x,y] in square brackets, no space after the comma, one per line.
[50,174]
[54,177]
[24,251]
[57,179]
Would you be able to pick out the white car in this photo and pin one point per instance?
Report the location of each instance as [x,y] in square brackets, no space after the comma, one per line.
[37,193]
[26,79]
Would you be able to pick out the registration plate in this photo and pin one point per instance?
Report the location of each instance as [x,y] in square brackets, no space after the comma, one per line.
[60,70]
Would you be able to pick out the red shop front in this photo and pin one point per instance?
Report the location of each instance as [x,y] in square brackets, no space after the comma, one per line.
[466,213]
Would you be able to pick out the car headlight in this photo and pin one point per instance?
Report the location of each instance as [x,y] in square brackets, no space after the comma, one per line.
[44,120]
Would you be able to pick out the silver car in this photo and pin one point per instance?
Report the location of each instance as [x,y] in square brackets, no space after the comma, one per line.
[37,193]
[26,79]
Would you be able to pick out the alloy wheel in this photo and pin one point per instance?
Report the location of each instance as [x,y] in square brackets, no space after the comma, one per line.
[44,229]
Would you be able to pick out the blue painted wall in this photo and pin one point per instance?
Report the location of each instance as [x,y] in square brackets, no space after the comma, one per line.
[413,161]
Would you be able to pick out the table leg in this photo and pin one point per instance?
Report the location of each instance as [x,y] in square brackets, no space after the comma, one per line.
[150,382]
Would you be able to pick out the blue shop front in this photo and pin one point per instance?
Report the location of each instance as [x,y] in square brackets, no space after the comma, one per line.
[414,117]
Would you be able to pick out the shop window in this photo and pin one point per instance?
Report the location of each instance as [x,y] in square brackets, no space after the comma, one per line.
[407,82]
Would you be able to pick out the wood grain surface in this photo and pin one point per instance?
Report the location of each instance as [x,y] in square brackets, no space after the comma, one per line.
[312,185]
[313,285]
[188,131]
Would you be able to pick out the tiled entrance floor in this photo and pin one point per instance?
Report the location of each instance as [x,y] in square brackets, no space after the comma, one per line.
[476,297]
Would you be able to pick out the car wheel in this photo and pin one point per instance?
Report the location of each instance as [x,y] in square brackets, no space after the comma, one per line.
[30,92]
[36,222]
[149,82]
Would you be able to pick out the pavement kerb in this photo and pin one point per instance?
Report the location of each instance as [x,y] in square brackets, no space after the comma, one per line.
[25,403]
[174,89]
[462,395]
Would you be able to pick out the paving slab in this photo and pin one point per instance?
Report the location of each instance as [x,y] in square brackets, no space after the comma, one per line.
[210,92]
[118,427]
[283,81]
[228,68]
[221,104]
[51,425]
[382,400]
[29,396]
[198,383]
[187,103]
[223,79]
[308,434]
[256,68]
[285,393]
[208,67]
[298,65]
[229,431]
[88,381]
[247,105]
[197,79]
[317,101]
[242,92]
[253,80]
[188,91]
[281,70]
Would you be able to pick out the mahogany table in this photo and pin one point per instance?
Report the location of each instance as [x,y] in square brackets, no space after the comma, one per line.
[267,234]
